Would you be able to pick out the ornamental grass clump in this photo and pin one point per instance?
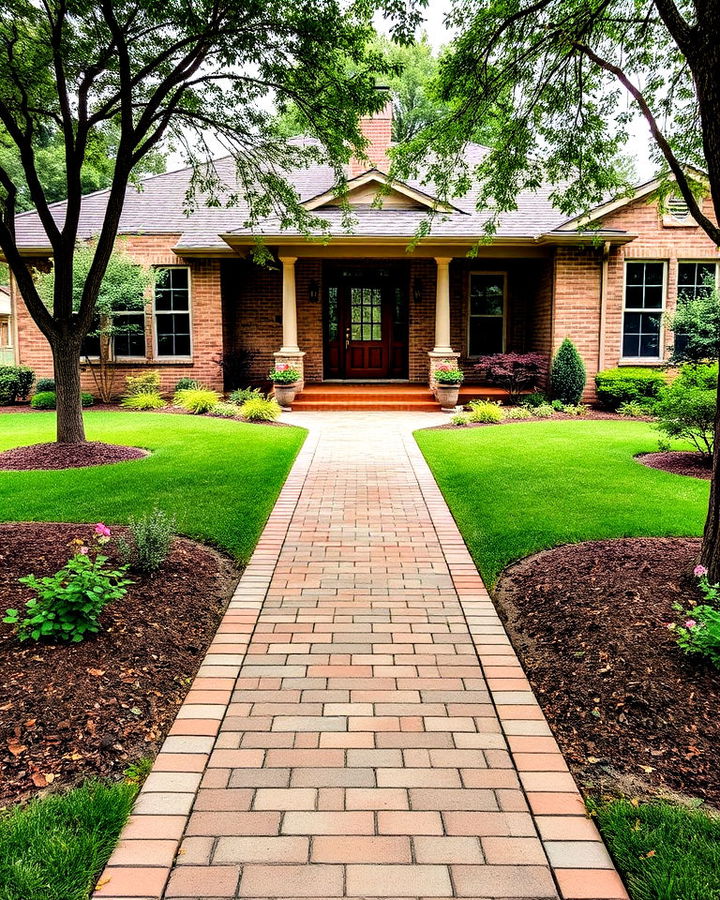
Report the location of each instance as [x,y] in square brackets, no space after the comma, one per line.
[485,412]
[698,632]
[143,401]
[68,604]
[147,383]
[260,409]
[150,541]
[226,411]
[517,412]
[567,374]
[459,419]
[196,400]
[239,396]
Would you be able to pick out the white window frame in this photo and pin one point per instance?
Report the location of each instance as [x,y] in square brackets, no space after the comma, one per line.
[470,317]
[660,312]
[155,315]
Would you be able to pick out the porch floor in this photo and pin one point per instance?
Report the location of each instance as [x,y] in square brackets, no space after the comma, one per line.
[382,396]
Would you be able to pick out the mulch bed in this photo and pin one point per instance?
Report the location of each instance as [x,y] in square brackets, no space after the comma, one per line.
[53,456]
[589,622]
[678,462]
[68,711]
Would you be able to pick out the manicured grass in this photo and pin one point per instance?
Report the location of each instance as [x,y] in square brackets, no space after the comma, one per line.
[218,478]
[665,852]
[55,848]
[517,489]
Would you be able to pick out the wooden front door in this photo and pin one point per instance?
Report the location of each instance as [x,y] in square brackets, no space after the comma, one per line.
[366,324]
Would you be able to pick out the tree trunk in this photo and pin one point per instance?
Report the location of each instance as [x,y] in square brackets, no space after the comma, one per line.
[66,359]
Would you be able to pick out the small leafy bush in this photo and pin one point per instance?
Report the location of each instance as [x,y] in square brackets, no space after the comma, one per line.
[143,401]
[518,412]
[567,374]
[43,400]
[633,409]
[260,409]
[239,396]
[557,405]
[699,631]
[196,400]
[150,541]
[459,419]
[44,384]
[513,371]
[86,399]
[544,411]
[15,383]
[69,603]
[147,383]
[447,373]
[225,410]
[686,408]
[284,374]
[616,386]
[486,412]
[532,401]
[187,384]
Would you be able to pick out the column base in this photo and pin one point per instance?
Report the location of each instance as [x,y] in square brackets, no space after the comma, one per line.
[437,358]
[293,358]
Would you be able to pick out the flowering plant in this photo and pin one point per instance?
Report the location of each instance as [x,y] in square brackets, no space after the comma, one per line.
[516,372]
[68,604]
[284,374]
[699,632]
[448,373]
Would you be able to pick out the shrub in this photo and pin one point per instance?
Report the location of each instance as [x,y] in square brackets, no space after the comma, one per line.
[447,373]
[69,603]
[616,386]
[15,383]
[260,409]
[574,409]
[557,405]
[187,384]
[486,412]
[513,371]
[531,401]
[544,411]
[225,410]
[147,383]
[632,409]
[86,399]
[284,374]
[459,419]
[242,394]
[143,401]
[686,408]
[567,374]
[150,541]
[196,400]
[43,400]
[518,412]
[699,631]
[44,384]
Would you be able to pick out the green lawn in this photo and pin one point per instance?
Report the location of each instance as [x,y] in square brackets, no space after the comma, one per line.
[665,852]
[55,848]
[218,478]
[516,489]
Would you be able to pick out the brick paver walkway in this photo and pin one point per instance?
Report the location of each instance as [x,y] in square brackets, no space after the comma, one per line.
[361,726]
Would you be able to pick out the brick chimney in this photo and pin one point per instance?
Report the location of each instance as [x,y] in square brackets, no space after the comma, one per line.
[377,129]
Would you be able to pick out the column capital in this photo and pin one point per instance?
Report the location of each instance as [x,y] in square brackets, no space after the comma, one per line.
[288,260]
[443,260]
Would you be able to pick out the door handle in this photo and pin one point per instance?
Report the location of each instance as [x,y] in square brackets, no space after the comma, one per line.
[347,338]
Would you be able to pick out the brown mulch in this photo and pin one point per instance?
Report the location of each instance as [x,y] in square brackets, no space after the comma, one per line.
[678,462]
[589,622]
[68,711]
[67,456]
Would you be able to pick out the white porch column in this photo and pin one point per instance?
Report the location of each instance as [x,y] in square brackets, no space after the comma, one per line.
[289,307]
[442,306]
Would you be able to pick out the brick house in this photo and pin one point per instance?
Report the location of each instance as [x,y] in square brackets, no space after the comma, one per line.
[363,308]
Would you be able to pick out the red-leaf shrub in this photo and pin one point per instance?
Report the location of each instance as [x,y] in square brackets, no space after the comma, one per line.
[515,372]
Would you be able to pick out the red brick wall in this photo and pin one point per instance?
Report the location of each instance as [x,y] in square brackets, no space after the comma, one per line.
[206,322]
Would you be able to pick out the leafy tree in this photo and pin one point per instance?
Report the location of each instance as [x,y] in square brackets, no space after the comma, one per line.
[696,323]
[560,81]
[123,289]
[686,408]
[180,70]
[567,374]
[416,103]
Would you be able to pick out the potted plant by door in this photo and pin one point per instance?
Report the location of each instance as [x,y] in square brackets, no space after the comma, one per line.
[448,379]
[286,382]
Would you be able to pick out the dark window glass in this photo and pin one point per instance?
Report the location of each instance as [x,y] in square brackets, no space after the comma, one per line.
[487,308]
[131,340]
[641,335]
[332,314]
[695,279]
[365,314]
[644,290]
[172,316]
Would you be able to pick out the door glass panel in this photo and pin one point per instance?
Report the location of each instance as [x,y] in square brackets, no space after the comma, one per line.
[332,314]
[366,314]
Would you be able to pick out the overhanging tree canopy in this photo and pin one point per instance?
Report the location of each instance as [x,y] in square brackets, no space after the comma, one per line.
[159,70]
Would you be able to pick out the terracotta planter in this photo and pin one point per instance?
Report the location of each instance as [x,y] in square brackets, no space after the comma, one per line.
[447,396]
[285,394]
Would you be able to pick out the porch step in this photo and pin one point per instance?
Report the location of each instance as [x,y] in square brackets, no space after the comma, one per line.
[301,405]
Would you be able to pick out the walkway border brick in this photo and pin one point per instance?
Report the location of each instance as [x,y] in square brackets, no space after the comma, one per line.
[141,863]
[578,858]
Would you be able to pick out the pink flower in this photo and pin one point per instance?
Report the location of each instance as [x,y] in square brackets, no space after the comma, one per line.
[690,623]
[102,530]
[84,550]
[699,571]
[282,367]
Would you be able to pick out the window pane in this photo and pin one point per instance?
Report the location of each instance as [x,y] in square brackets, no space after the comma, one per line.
[173,334]
[91,346]
[131,342]
[641,335]
[649,344]
[486,294]
[172,290]
[634,295]
[653,297]
[486,335]
[631,345]
[654,273]
[332,313]
[695,279]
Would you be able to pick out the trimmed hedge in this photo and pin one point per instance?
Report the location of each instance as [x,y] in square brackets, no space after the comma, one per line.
[48,400]
[623,385]
[15,383]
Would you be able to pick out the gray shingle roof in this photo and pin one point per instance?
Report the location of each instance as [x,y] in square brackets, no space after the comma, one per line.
[159,207]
